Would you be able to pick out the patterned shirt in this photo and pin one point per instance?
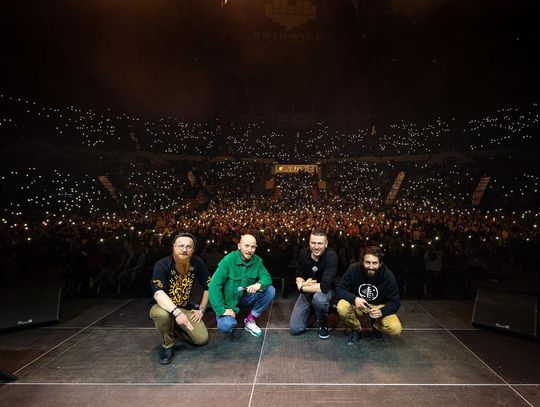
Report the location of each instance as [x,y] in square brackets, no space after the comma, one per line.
[166,278]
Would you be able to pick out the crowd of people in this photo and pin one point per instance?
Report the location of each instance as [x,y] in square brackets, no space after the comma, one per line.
[61,220]
[73,229]
[329,138]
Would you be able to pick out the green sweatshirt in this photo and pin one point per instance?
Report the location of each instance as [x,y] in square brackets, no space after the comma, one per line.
[233,273]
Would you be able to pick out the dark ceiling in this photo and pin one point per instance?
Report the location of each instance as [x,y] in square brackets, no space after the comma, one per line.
[271,56]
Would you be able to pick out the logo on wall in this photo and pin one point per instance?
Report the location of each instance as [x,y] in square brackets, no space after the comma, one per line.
[295,168]
[368,292]
[290,15]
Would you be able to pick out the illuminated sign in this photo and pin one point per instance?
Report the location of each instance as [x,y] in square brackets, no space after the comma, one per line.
[295,168]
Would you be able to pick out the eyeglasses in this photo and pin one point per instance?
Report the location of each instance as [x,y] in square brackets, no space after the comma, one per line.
[184,246]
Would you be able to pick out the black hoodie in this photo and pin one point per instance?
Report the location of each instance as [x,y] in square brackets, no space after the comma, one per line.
[382,288]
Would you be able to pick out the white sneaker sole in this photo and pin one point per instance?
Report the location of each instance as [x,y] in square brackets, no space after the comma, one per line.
[253,333]
[324,337]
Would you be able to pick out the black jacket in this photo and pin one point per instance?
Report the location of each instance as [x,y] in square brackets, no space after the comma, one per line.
[382,288]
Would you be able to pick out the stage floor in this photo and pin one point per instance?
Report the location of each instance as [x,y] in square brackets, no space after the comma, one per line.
[105,353]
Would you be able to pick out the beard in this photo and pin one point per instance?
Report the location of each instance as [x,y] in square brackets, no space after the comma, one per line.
[181,264]
[371,273]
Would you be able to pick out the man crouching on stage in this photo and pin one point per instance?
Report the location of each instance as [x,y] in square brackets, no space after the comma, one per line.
[172,281]
[241,281]
[369,288]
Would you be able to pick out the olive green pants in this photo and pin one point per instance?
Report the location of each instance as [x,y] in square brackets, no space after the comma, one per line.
[348,312]
[164,323]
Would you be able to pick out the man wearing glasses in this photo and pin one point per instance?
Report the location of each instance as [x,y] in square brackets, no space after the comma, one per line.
[369,288]
[172,282]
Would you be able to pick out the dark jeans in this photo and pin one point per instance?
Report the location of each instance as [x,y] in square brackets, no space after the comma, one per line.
[305,305]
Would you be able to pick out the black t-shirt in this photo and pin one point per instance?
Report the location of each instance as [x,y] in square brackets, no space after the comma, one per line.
[323,270]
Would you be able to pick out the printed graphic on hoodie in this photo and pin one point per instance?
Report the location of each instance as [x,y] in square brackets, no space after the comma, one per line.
[368,292]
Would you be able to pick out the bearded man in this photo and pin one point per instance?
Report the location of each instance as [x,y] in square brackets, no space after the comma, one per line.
[171,284]
[369,288]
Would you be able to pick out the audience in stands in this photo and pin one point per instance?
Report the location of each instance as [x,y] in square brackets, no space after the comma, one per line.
[220,184]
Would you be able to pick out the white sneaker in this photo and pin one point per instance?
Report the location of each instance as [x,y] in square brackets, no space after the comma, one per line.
[252,328]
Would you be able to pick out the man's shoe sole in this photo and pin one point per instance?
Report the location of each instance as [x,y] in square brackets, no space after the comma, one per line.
[324,336]
[166,361]
[253,333]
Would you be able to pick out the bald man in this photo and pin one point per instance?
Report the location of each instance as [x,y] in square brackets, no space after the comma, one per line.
[241,281]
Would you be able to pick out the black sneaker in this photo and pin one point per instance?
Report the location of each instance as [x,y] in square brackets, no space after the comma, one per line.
[354,338]
[323,330]
[165,355]
[376,335]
